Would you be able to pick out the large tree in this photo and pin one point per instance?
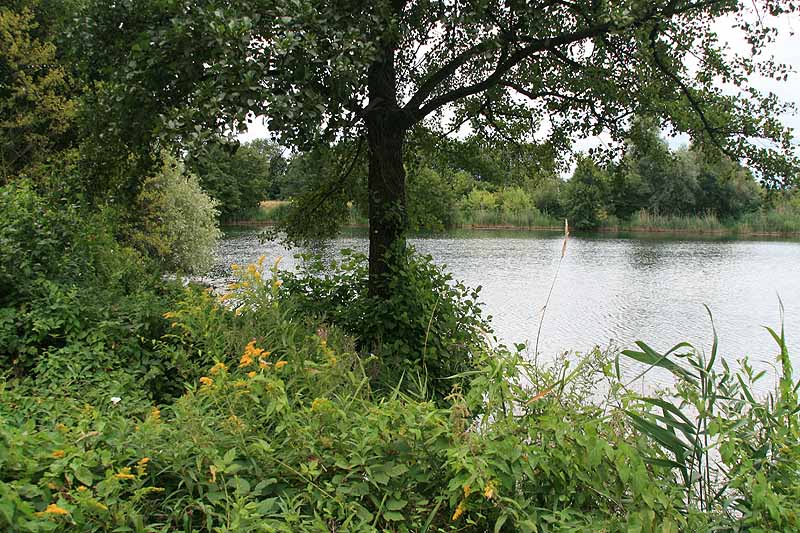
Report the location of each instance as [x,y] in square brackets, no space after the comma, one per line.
[323,72]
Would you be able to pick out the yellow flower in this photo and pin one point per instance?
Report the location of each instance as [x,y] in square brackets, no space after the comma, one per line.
[251,374]
[277,283]
[125,473]
[207,381]
[261,260]
[217,368]
[250,353]
[141,465]
[263,364]
[61,428]
[58,454]
[319,404]
[155,413]
[169,314]
[467,490]
[489,490]
[234,266]
[280,364]
[240,384]
[459,511]
[82,488]
[54,509]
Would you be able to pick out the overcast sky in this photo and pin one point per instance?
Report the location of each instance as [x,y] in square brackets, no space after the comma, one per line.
[786,50]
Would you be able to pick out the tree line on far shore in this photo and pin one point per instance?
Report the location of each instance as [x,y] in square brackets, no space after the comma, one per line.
[455,182]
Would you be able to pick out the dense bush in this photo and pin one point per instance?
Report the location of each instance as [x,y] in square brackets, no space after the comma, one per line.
[178,219]
[428,330]
[74,303]
[279,427]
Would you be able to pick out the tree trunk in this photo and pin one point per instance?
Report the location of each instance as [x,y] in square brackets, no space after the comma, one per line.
[386,130]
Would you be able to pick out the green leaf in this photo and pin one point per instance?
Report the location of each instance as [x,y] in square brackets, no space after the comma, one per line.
[394,516]
[665,437]
[395,505]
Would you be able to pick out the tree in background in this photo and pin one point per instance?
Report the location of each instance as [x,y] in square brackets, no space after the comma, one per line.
[586,195]
[36,108]
[241,179]
[325,71]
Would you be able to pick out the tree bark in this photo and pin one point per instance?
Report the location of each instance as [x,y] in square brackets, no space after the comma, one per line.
[386,130]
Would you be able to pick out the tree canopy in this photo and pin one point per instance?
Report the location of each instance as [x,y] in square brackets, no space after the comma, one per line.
[323,72]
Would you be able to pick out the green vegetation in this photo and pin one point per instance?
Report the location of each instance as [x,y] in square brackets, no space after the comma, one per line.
[365,395]
[258,411]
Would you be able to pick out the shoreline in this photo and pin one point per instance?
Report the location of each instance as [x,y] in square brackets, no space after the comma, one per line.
[722,232]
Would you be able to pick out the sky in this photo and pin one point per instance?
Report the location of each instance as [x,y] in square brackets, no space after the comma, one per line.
[786,49]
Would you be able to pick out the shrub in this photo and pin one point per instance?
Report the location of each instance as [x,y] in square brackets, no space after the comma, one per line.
[427,331]
[178,219]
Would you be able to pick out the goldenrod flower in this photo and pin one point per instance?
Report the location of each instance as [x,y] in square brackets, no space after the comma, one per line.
[489,490]
[169,314]
[280,364]
[234,266]
[319,404]
[54,509]
[58,454]
[251,352]
[155,413]
[277,283]
[264,364]
[261,260]
[61,428]
[217,368]
[125,473]
[82,488]
[459,511]
[141,465]
[467,490]
[251,374]
[207,381]
[240,384]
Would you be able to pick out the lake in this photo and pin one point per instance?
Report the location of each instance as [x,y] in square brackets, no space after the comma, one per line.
[611,290]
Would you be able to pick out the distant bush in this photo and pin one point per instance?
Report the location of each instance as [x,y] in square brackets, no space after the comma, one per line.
[178,219]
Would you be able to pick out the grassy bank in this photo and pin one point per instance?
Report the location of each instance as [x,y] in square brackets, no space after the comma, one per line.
[781,221]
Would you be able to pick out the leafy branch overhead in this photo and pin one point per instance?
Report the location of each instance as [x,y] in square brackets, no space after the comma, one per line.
[558,69]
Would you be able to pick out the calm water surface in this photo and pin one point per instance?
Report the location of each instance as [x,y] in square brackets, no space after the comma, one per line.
[610,290]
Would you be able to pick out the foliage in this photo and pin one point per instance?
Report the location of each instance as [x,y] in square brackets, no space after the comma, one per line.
[586,195]
[756,484]
[284,431]
[36,110]
[77,309]
[428,331]
[242,179]
[178,219]
[430,200]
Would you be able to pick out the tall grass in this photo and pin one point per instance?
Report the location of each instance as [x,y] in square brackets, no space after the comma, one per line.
[775,220]
[532,218]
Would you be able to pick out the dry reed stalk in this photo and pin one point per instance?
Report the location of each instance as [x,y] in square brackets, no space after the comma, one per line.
[549,293]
